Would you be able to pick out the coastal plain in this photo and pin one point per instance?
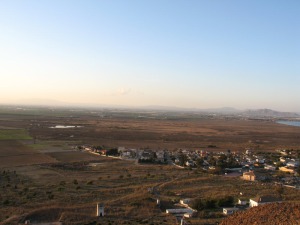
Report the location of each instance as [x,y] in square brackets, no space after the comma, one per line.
[43,173]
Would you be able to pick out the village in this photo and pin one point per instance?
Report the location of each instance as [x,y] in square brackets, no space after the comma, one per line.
[279,168]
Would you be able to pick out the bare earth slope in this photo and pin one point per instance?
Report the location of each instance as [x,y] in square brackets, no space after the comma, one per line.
[275,214]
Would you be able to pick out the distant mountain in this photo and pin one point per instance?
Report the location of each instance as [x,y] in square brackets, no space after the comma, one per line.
[255,113]
[267,113]
[223,110]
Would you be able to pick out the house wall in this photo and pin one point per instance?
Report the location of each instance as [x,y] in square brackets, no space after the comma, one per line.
[249,177]
[253,203]
[241,202]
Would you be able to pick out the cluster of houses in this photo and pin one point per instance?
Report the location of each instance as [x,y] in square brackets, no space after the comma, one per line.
[281,166]
[283,169]
[253,202]
[186,211]
[249,165]
[141,155]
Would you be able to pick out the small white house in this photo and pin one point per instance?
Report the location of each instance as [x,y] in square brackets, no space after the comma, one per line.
[160,156]
[181,211]
[270,167]
[189,163]
[185,202]
[282,159]
[242,202]
[229,211]
[263,200]
[293,163]
[260,160]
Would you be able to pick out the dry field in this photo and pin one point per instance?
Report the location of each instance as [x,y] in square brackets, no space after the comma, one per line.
[276,214]
[43,178]
[233,134]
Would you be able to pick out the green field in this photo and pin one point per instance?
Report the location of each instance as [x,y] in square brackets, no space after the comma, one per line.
[14,134]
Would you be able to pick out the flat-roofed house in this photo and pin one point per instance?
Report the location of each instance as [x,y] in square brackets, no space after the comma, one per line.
[261,200]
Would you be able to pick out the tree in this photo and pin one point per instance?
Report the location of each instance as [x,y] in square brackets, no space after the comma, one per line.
[226,201]
[113,151]
[210,204]
[298,171]
[279,191]
[182,159]
[198,204]
[199,162]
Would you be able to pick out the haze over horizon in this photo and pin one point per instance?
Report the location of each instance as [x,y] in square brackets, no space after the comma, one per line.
[188,54]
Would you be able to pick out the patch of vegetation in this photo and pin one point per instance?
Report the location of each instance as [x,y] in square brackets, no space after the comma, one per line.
[202,204]
[14,134]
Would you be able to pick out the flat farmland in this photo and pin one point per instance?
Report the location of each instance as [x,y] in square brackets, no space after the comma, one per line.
[73,156]
[43,177]
[14,134]
[15,153]
[155,130]
[225,134]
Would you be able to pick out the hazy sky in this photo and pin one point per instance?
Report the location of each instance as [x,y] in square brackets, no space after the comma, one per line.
[200,54]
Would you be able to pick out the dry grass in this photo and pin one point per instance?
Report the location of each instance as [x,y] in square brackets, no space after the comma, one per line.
[277,214]
[53,179]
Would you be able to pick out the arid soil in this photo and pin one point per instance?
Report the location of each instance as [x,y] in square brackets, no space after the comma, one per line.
[275,214]
[41,172]
[177,132]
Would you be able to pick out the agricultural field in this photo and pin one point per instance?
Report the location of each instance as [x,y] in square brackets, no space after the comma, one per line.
[44,177]
[14,134]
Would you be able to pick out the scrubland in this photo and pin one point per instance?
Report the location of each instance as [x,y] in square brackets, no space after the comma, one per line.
[43,177]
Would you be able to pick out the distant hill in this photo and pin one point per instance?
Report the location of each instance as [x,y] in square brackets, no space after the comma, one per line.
[223,110]
[268,113]
[275,214]
[252,113]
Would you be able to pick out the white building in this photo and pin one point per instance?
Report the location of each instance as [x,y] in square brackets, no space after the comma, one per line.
[242,202]
[293,163]
[185,202]
[269,167]
[181,211]
[229,211]
[263,200]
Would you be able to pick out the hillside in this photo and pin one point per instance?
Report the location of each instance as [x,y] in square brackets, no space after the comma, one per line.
[277,213]
[268,113]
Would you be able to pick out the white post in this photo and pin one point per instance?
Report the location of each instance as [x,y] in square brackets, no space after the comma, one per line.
[158,202]
[100,210]
[182,221]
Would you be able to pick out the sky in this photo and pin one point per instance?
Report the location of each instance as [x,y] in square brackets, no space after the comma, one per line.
[191,54]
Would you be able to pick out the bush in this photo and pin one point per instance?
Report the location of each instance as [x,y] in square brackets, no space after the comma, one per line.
[90,182]
[198,204]
[202,204]
[210,204]
[51,196]
[226,201]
